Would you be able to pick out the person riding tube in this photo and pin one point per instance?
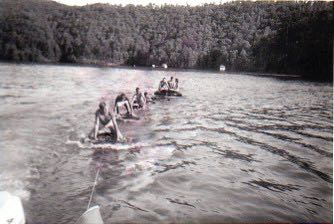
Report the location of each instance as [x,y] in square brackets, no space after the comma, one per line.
[163,85]
[105,119]
[138,99]
[122,100]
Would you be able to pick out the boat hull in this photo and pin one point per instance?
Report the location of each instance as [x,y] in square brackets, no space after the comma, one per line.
[91,216]
[167,93]
[11,209]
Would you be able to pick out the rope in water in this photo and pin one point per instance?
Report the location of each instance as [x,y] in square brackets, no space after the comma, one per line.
[95,182]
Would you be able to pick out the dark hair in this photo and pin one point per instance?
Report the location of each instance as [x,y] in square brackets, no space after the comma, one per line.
[145,93]
[137,88]
[176,80]
[102,105]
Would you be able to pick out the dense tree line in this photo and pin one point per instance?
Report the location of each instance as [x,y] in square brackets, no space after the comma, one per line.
[284,37]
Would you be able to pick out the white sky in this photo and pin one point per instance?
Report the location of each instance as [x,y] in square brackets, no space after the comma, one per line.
[140,2]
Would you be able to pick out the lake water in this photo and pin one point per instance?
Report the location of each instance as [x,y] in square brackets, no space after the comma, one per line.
[234,148]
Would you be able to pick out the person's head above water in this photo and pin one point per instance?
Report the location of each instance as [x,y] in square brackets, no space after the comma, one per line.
[145,93]
[137,90]
[176,80]
[171,78]
[164,79]
[122,95]
[103,106]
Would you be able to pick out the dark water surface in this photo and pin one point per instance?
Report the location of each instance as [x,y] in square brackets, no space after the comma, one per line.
[235,148]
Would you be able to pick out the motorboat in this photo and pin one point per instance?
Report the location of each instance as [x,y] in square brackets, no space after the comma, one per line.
[11,209]
[222,68]
[91,216]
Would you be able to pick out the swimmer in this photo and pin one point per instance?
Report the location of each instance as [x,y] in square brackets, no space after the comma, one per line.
[139,99]
[148,99]
[106,119]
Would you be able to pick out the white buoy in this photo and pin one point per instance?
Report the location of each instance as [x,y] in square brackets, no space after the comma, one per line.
[153,66]
[164,66]
[222,68]
[11,209]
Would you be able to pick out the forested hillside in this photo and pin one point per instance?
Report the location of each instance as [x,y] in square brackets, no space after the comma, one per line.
[283,37]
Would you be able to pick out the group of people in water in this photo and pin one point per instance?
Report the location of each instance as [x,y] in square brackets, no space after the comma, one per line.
[105,117]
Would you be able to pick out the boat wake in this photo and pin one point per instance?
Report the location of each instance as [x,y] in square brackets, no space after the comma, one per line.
[89,144]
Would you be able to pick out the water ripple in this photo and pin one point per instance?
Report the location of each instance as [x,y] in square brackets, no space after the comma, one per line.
[273,186]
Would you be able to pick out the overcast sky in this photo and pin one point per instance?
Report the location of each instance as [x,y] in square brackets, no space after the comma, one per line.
[140,2]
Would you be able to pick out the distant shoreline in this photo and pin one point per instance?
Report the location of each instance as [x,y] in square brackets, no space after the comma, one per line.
[273,75]
[242,36]
[262,74]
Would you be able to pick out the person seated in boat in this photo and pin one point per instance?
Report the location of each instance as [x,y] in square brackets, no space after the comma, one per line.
[138,99]
[171,83]
[176,85]
[122,100]
[105,119]
[163,85]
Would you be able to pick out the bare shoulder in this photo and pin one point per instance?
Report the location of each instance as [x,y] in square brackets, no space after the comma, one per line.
[97,113]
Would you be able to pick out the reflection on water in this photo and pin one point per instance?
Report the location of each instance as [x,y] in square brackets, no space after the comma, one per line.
[235,148]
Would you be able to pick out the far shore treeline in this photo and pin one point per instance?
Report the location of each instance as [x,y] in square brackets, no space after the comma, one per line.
[280,37]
